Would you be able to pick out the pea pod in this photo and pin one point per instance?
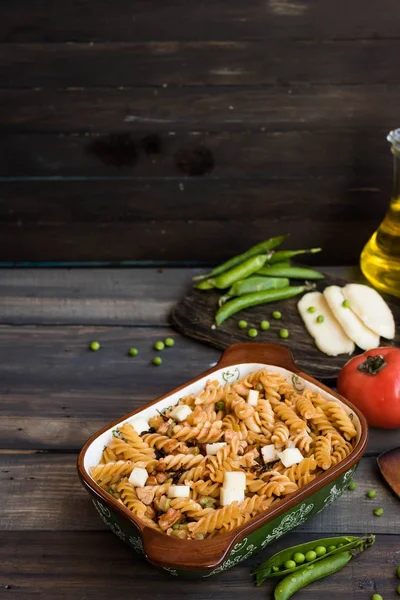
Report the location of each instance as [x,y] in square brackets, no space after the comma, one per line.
[280,255]
[282,263]
[267,569]
[253,284]
[261,248]
[309,573]
[241,302]
[291,272]
[225,280]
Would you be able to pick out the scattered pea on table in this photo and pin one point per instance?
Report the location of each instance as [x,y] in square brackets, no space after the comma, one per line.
[276,314]
[398,590]
[242,324]
[398,572]
[159,346]
[169,341]
[133,352]
[352,485]
[377,597]
[252,332]
[284,334]
[157,360]
[371,493]
[94,346]
[264,325]
[378,512]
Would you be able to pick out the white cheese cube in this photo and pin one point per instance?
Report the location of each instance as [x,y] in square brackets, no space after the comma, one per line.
[138,477]
[269,453]
[290,457]
[212,449]
[227,496]
[235,480]
[180,413]
[252,397]
[178,491]
[140,425]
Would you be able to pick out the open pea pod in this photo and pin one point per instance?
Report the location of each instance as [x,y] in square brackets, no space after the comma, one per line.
[266,569]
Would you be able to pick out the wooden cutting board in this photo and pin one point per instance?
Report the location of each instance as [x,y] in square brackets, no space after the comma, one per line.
[194,317]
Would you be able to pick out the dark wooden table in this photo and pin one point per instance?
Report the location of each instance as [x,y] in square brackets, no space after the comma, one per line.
[54,393]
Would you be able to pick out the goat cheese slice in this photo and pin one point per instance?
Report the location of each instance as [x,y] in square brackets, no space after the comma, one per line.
[269,453]
[138,477]
[227,496]
[234,480]
[290,457]
[212,449]
[180,412]
[373,311]
[178,491]
[329,335]
[140,425]
[252,397]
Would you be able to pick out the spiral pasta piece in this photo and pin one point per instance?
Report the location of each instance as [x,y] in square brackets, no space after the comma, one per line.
[110,473]
[323,448]
[215,519]
[280,436]
[175,462]
[129,498]
[290,418]
[302,469]
[306,408]
[341,420]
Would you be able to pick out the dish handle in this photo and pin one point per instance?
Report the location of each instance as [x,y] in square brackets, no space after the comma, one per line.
[169,552]
[271,354]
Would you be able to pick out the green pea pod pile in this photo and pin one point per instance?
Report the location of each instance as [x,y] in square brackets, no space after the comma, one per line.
[304,563]
[258,276]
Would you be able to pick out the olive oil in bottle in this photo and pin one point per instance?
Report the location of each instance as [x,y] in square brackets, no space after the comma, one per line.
[380,258]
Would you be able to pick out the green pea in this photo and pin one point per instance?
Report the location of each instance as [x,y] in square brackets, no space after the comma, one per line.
[284,334]
[169,342]
[340,545]
[398,590]
[320,550]
[159,346]
[264,325]
[299,558]
[346,304]
[175,526]
[320,319]
[398,572]
[276,314]
[157,360]
[331,548]
[252,332]
[242,324]
[311,309]
[289,564]
[133,352]
[352,485]
[310,555]
[371,493]
[220,405]
[95,346]
[377,597]
[378,512]
[275,569]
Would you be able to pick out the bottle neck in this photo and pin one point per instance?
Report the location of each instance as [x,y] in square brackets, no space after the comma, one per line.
[396,175]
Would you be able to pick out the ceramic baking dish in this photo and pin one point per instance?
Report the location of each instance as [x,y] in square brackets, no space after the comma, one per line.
[203,558]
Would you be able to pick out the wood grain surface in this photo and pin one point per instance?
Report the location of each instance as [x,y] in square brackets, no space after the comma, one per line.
[54,393]
[194,317]
[193,125]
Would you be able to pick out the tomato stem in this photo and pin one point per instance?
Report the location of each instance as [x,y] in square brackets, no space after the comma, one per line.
[373,365]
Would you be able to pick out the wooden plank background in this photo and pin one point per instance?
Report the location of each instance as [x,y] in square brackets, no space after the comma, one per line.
[54,393]
[185,131]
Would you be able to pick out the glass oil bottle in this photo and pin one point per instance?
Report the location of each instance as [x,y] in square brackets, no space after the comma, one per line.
[380,258]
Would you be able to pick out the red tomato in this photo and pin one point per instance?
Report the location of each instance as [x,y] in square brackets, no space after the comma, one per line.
[371,381]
